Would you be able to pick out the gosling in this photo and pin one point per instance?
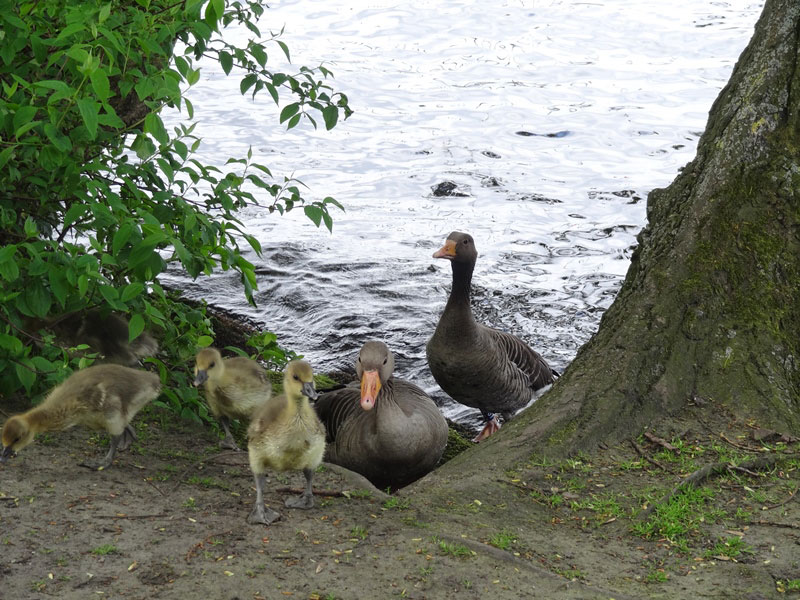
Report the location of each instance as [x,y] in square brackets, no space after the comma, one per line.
[98,397]
[286,434]
[235,387]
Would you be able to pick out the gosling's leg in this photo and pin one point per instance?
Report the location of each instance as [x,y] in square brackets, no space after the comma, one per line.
[306,500]
[492,426]
[128,437]
[260,513]
[109,458]
[228,442]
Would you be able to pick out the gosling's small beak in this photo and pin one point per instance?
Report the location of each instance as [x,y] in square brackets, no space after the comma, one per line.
[6,454]
[370,386]
[200,377]
[309,391]
[447,251]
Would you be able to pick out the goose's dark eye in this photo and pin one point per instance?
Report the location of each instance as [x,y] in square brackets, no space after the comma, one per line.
[296,378]
[385,360]
[359,359]
[465,242]
[211,366]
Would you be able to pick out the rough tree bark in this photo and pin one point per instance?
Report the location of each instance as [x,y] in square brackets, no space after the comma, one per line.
[709,310]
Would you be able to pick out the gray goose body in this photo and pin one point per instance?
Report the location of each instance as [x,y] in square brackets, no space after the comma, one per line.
[476,365]
[395,439]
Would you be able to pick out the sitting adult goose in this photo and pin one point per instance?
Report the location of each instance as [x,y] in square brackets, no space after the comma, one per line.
[390,430]
[99,397]
[476,365]
[235,387]
[286,434]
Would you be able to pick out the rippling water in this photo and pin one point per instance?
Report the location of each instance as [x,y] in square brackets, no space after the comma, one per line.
[554,118]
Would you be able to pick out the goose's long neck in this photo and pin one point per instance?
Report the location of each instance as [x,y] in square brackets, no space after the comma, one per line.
[459,294]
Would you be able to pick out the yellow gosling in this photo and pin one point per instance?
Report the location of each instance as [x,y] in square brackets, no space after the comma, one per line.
[235,388]
[102,397]
[286,434]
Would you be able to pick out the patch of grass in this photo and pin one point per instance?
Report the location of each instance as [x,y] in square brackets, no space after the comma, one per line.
[467,584]
[38,586]
[190,503]
[503,539]
[732,547]
[363,494]
[104,549]
[396,503]
[208,482]
[358,532]
[677,519]
[456,444]
[571,574]
[791,585]
[604,506]
[657,576]
[452,548]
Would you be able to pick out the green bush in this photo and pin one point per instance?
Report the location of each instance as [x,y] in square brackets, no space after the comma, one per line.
[98,197]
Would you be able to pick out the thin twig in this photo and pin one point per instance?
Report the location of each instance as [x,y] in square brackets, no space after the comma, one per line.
[640,451]
[291,490]
[789,499]
[155,486]
[773,524]
[158,516]
[735,445]
[660,441]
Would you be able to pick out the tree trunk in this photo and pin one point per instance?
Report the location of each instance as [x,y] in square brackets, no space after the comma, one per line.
[709,310]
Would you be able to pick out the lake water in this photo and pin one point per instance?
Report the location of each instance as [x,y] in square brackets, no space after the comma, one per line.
[554,118]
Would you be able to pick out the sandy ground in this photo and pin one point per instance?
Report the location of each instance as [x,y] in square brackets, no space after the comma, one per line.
[168,520]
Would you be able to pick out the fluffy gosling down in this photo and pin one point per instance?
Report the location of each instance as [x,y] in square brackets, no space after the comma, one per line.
[98,397]
[235,388]
[286,434]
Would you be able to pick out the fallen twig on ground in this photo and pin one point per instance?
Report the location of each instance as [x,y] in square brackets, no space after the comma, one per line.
[640,451]
[660,441]
[291,490]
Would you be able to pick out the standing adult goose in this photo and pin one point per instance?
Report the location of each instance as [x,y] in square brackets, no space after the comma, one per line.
[286,434]
[235,387]
[389,430]
[99,397]
[476,365]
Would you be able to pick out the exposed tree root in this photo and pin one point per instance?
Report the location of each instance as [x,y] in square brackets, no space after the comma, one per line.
[757,464]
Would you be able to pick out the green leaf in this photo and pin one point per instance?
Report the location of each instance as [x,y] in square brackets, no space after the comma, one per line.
[121,237]
[259,54]
[331,116]
[5,155]
[58,139]
[155,127]
[131,291]
[289,111]
[74,213]
[89,109]
[100,83]
[204,341]
[24,115]
[226,61]
[314,213]
[247,82]
[26,376]
[38,298]
[58,284]
[135,327]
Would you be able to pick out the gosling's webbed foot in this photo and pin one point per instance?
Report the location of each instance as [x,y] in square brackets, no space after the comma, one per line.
[229,444]
[262,515]
[304,501]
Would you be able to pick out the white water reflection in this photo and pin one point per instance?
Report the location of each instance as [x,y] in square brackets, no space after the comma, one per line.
[556,118]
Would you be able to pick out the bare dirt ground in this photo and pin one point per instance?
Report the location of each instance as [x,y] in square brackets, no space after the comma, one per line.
[168,520]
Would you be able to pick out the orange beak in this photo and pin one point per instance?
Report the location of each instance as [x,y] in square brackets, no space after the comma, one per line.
[370,386]
[447,251]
